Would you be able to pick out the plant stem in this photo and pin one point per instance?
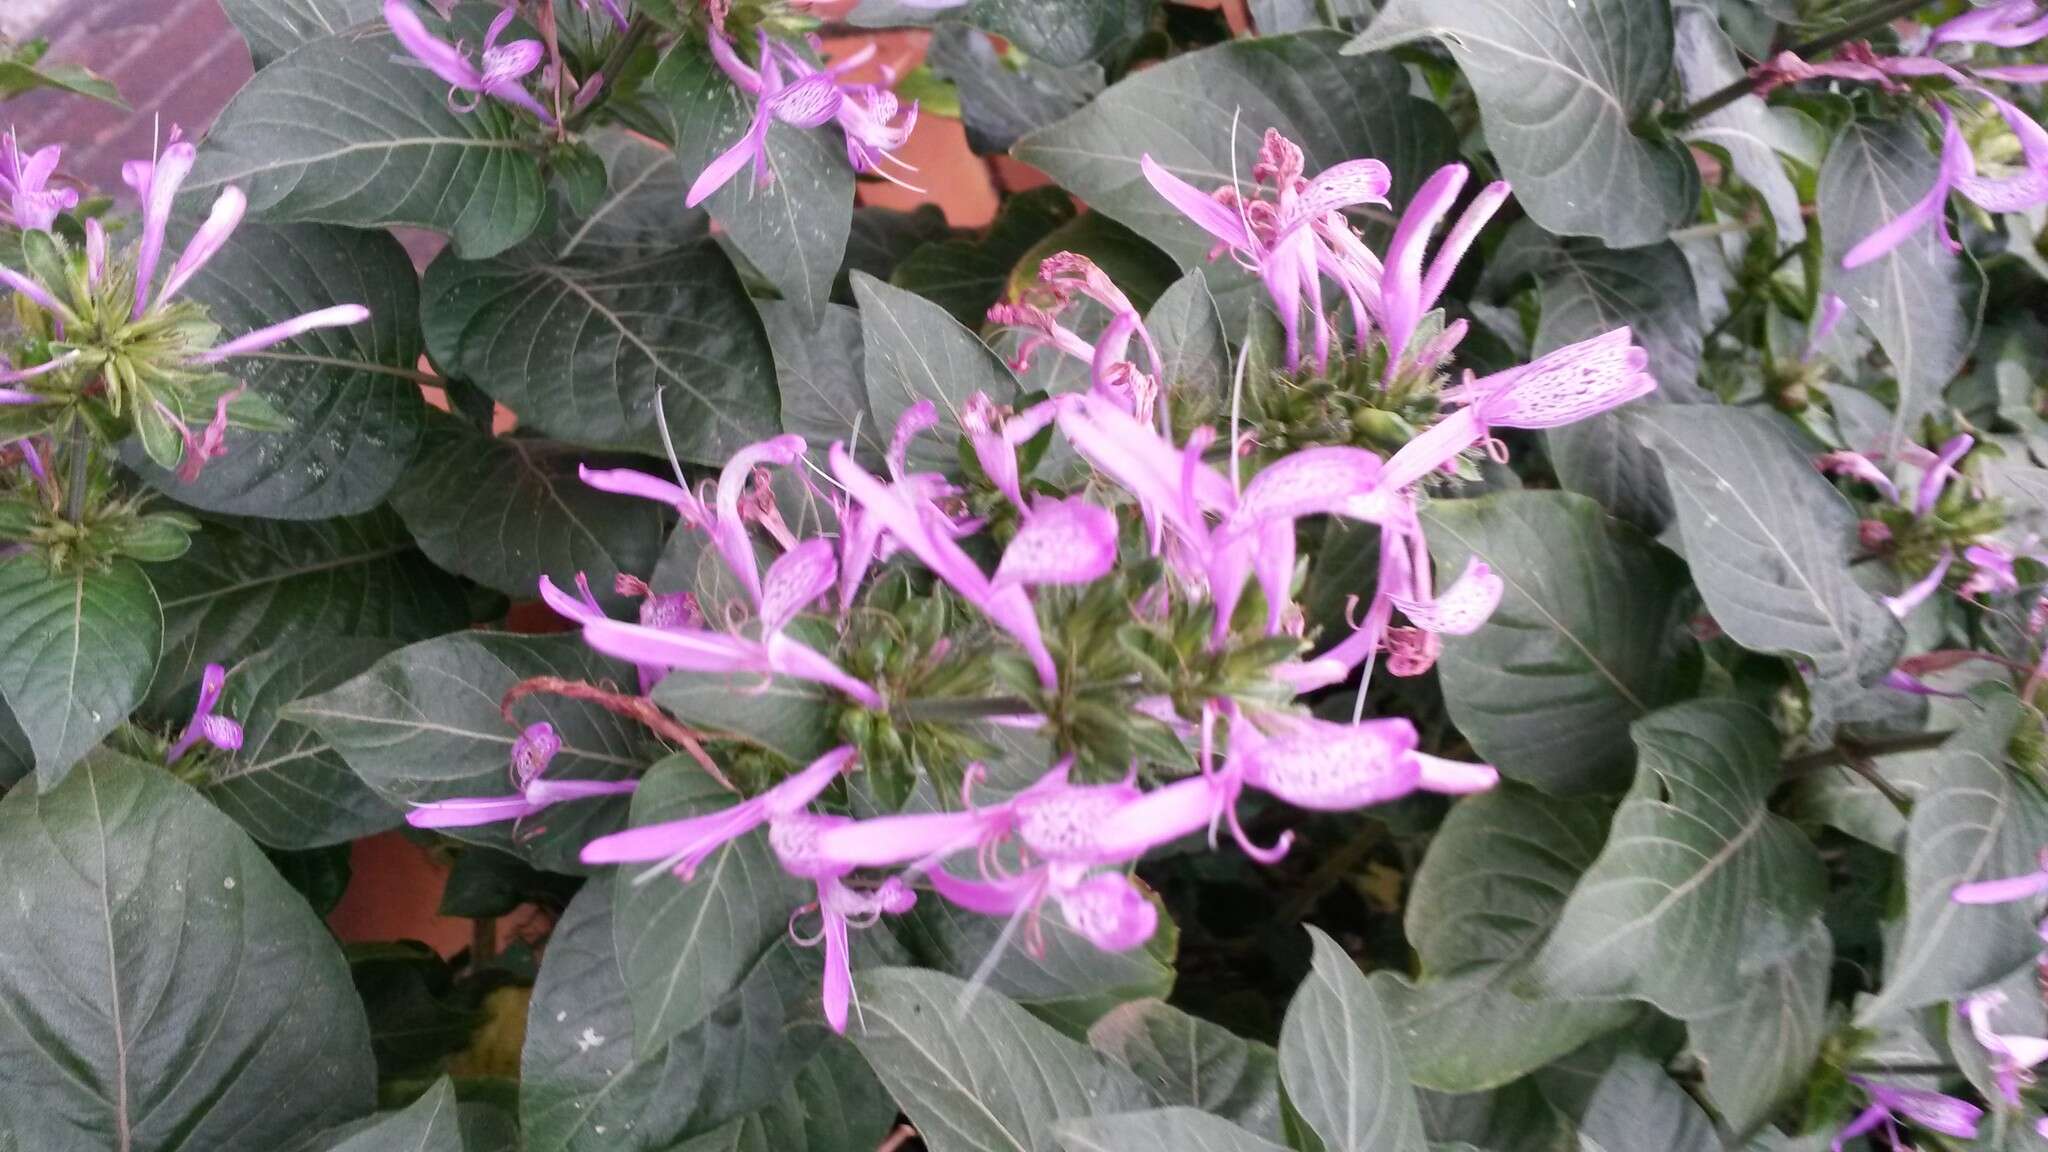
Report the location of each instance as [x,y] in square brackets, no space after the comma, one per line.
[1845,752]
[80,457]
[1883,1069]
[638,708]
[1870,22]
[962,708]
[637,31]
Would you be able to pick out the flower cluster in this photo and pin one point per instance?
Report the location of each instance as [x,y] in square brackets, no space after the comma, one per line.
[1199,543]
[2006,24]
[117,337]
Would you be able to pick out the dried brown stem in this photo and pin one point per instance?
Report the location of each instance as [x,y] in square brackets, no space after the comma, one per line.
[636,708]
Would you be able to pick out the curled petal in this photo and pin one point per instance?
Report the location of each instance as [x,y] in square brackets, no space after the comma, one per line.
[1463,607]
[532,752]
[1215,219]
[1460,239]
[1402,302]
[1455,777]
[989,898]
[211,236]
[631,482]
[443,58]
[165,177]
[2003,891]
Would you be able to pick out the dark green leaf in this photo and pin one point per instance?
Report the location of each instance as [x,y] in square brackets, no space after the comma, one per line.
[1185,324]
[247,585]
[393,153]
[286,786]
[76,650]
[1182,113]
[1161,1130]
[160,986]
[685,945]
[352,395]
[882,238]
[639,214]
[1588,638]
[1749,132]
[585,1089]
[505,511]
[423,724]
[1637,1106]
[794,229]
[1002,100]
[1561,85]
[1061,32]
[483,883]
[1339,1064]
[1922,302]
[1756,1054]
[913,352]
[1700,884]
[818,370]
[1486,897]
[1980,820]
[964,276]
[1188,1061]
[976,1073]
[835,1106]
[430,1124]
[781,713]
[1769,541]
[22,70]
[275,27]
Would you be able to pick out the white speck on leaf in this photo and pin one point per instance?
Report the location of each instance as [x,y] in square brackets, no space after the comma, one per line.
[588,1040]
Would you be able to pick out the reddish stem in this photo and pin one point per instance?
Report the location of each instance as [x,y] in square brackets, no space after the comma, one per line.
[638,708]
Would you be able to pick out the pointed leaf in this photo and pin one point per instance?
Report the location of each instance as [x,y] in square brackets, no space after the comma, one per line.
[286,786]
[76,650]
[250,584]
[976,1073]
[1561,84]
[1339,1063]
[913,352]
[1980,820]
[1749,132]
[1488,893]
[160,985]
[1922,302]
[1757,1053]
[396,155]
[1189,331]
[1189,1061]
[352,394]
[818,371]
[1002,100]
[507,510]
[1637,1106]
[275,27]
[431,1123]
[1700,882]
[423,724]
[1770,541]
[1161,1130]
[1588,637]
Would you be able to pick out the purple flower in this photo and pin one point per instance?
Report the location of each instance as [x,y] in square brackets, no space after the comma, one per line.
[2013,1056]
[1902,605]
[531,754]
[2025,886]
[1857,466]
[1284,240]
[1407,292]
[1112,374]
[995,437]
[205,725]
[32,205]
[840,906]
[337,316]
[1930,1110]
[611,8]
[2010,24]
[498,75]
[681,845]
[1173,488]
[678,611]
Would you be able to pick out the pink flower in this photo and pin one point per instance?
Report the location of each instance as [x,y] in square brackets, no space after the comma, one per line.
[32,205]
[681,845]
[206,726]
[531,754]
[1930,1110]
[840,906]
[498,75]
[2013,1056]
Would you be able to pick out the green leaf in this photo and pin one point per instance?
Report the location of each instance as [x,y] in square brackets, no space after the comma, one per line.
[914,351]
[793,230]
[1588,638]
[1160,1130]
[286,786]
[1188,1061]
[395,153]
[506,510]
[351,395]
[783,714]
[1922,302]
[1004,99]
[882,238]
[76,651]
[637,215]
[1339,1064]
[430,1124]
[1060,32]
[1071,984]
[965,275]
[423,724]
[1700,883]
[1561,85]
[17,758]
[581,347]
[275,27]
[247,585]
[1488,893]
[976,1073]
[160,985]
[1182,113]
[1770,540]
[1189,331]
[1757,1053]
[818,372]
[584,1088]
[1637,1106]
[1749,132]
[685,945]
[22,70]
[835,1106]
[1980,820]
[1586,290]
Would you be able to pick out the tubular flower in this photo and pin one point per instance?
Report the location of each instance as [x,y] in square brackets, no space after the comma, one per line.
[679,846]
[531,754]
[1918,1107]
[499,73]
[2013,1056]
[31,204]
[206,725]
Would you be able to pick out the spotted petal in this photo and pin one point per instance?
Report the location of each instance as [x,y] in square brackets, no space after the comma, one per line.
[1064,542]
[1336,767]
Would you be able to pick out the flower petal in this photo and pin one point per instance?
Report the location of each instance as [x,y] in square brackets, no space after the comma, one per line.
[1064,542]
[1109,912]
[469,812]
[1196,205]
[1331,767]
[338,316]
[1569,384]
[2003,891]
[797,578]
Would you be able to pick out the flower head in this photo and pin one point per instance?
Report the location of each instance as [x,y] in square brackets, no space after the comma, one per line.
[2013,1056]
[1918,1107]
[206,725]
[531,793]
[31,204]
[498,73]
